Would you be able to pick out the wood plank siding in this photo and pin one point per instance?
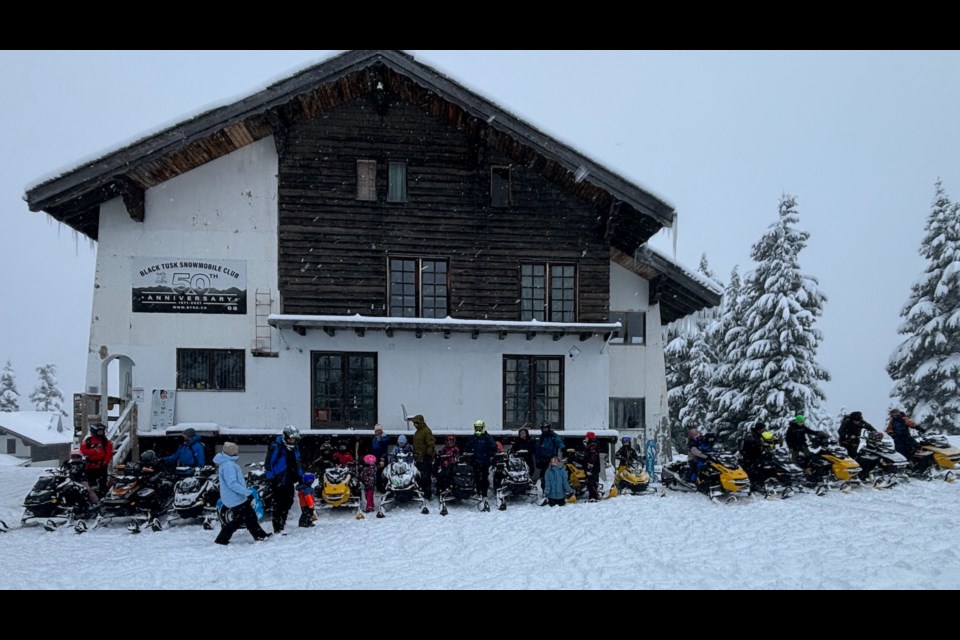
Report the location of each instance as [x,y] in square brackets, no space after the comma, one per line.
[333,247]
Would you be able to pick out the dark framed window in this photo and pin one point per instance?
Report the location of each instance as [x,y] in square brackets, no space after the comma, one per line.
[419,287]
[627,413]
[344,389]
[210,369]
[367,180]
[532,390]
[500,187]
[634,331]
[396,181]
[11,446]
[548,292]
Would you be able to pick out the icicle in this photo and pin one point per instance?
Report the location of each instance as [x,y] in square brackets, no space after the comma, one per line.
[674,232]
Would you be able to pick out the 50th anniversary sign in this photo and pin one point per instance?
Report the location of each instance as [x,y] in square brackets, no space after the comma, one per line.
[175,285]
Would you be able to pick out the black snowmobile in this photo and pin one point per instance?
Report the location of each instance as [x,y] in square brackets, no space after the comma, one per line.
[881,463]
[458,482]
[196,494]
[775,475]
[141,491]
[257,479]
[402,476]
[511,479]
[60,496]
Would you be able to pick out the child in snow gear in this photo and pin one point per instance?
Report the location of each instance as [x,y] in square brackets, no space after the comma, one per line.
[482,445]
[630,472]
[305,495]
[424,444]
[402,449]
[851,428]
[549,445]
[342,457]
[557,486]
[190,451]
[98,451]
[525,448]
[446,461]
[379,447]
[368,478]
[592,462]
[282,468]
[235,497]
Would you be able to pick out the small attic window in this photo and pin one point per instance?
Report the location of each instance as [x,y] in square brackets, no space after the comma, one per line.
[500,187]
[367,180]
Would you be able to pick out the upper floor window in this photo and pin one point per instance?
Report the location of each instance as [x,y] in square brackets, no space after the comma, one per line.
[634,329]
[548,292]
[210,369]
[418,287]
[500,187]
[397,181]
[367,180]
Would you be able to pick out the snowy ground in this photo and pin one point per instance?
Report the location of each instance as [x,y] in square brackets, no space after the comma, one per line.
[903,537]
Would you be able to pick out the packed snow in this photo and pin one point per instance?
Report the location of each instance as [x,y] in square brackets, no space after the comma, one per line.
[869,539]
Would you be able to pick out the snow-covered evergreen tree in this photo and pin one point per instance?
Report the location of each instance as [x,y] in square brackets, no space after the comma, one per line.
[9,396]
[925,367]
[676,356]
[47,396]
[780,376]
[727,404]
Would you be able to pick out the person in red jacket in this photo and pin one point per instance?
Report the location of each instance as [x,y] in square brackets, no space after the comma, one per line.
[99,452]
[342,457]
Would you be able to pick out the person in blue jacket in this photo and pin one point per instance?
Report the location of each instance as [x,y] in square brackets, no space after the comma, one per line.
[549,445]
[282,468]
[482,445]
[190,452]
[235,496]
[557,482]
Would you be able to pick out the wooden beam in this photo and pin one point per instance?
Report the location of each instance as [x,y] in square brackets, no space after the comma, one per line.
[301,330]
[446,334]
[389,332]
[330,331]
[360,331]
[503,335]
[531,335]
[475,334]
[585,336]
[418,333]
[133,196]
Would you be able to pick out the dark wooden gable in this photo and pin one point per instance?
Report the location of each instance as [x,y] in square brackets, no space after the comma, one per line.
[329,238]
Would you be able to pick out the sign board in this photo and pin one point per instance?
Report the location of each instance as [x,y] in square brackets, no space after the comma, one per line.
[177,285]
[161,409]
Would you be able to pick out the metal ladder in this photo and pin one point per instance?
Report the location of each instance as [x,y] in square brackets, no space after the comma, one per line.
[263,346]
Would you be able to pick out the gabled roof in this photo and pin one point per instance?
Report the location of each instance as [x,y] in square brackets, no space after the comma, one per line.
[74,197]
[679,291]
[36,427]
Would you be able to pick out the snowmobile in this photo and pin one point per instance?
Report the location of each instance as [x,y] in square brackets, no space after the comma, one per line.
[59,496]
[721,475]
[257,479]
[340,488]
[401,478]
[946,458]
[196,495]
[632,477]
[830,466]
[459,482]
[576,474]
[511,478]
[139,491]
[881,461]
[775,475]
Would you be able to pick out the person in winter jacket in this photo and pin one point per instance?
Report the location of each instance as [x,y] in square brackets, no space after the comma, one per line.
[235,496]
[424,444]
[342,457]
[697,447]
[627,455]
[379,448]
[282,467]
[557,487]
[446,461]
[751,449]
[524,448]
[99,453]
[368,478]
[402,450]
[306,495]
[190,452]
[796,438]
[898,426]
[592,464]
[549,445]
[851,427]
[482,445]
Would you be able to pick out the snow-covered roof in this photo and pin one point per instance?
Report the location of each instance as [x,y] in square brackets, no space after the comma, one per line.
[448,324]
[37,427]
[708,283]
[678,290]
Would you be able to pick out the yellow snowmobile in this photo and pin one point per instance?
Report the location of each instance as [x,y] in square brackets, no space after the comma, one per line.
[575,473]
[338,488]
[721,475]
[631,477]
[830,466]
[945,456]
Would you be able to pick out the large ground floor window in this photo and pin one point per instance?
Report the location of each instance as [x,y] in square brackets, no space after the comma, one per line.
[627,413]
[210,369]
[532,391]
[344,389]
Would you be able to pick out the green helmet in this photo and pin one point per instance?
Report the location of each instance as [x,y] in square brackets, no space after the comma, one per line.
[479,425]
[799,418]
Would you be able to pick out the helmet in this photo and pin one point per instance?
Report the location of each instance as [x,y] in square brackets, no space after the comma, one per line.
[97,426]
[308,478]
[479,425]
[768,436]
[856,415]
[402,439]
[148,457]
[759,428]
[369,459]
[799,418]
[591,435]
[894,411]
[291,432]
[451,439]
[625,440]
[190,432]
[545,424]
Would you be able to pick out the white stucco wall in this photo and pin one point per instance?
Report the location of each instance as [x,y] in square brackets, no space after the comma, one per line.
[225,209]
[637,371]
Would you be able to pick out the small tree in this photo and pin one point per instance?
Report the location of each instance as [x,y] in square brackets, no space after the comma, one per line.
[9,396]
[47,396]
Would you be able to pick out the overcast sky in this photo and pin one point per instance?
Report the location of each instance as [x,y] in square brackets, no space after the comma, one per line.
[859,138]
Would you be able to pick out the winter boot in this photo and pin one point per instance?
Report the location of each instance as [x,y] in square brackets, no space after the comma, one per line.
[306,518]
